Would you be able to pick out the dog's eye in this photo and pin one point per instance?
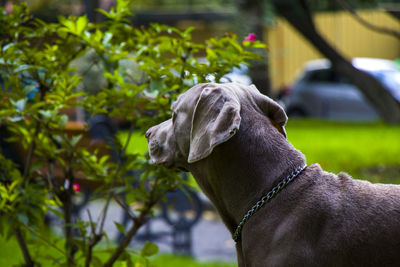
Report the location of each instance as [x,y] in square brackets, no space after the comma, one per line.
[173,117]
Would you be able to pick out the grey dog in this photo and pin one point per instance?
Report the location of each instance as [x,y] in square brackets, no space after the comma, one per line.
[280,211]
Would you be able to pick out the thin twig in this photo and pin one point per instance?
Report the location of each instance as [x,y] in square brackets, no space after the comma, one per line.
[24,248]
[126,208]
[97,236]
[31,150]
[94,62]
[92,228]
[153,199]
[104,212]
[37,234]
[111,194]
[28,163]
[67,208]
[379,29]
[142,219]
[93,240]
[53,185]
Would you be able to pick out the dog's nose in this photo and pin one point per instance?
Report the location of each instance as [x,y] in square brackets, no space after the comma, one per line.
[148,133]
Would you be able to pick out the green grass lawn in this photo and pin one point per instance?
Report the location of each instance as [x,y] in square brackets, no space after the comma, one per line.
[137,144]
[365,150]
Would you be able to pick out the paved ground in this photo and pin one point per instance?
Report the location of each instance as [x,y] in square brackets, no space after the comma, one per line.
[210,239]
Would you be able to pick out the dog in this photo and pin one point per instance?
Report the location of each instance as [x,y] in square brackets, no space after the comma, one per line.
[232,139]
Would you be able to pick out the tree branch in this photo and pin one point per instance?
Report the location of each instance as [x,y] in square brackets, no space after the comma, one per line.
[45,240]
[125,207]
[154,197]
[142,219]
[97,236]
[111,194]
[30,153]
[380,29]
[93,240]
[24,248]
[66,198]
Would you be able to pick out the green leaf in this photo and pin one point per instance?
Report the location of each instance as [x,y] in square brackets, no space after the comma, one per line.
[63,120]
[10,233]
[149,249]
[81,24]
[46,113]
[20,104]
[96,261]
[211,55]
[36,165]
[75,139]
[107,38]
[236,45]
[4,48]
[21,68]
[23,218]
[120,227]
[259,45]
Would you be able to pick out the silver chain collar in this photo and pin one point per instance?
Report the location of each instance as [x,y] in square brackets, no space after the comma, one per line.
[266,198]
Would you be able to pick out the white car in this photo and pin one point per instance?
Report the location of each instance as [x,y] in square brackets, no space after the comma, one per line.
[320,92]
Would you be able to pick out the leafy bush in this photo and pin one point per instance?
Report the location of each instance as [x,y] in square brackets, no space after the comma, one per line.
[143,71]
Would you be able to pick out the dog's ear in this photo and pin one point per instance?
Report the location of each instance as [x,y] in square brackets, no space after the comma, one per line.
[216,118]
[272,110]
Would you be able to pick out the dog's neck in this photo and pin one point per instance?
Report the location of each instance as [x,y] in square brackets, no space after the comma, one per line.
[240,171]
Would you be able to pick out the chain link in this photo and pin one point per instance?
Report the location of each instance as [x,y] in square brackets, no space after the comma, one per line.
[266,198]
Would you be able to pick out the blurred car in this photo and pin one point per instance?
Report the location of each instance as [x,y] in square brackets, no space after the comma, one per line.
[237,75]
[320,92]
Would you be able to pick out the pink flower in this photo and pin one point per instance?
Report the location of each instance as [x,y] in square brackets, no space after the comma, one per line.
[252,37]
[9,7]
[76,187]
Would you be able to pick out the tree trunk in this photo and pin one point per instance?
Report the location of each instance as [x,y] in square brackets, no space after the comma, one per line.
[297,13]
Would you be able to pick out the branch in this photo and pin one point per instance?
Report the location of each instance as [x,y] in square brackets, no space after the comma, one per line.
[44,240]
[24,248]
[142,219]
[28,163]
[97,236]
[93,240]
[126,208]
[94,62]
[296,10]
[367,24]
[307,12]
[111,194]
[30,152]
[67,208]
[154,197]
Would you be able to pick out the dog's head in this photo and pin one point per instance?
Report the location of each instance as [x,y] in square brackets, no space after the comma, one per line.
[204,117]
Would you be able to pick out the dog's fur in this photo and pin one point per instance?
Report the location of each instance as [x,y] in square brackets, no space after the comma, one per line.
[232,139]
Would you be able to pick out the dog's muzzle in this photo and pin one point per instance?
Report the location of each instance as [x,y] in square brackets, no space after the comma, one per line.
[162,145]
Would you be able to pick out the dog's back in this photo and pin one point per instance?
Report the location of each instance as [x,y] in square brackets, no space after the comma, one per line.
[327,220]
